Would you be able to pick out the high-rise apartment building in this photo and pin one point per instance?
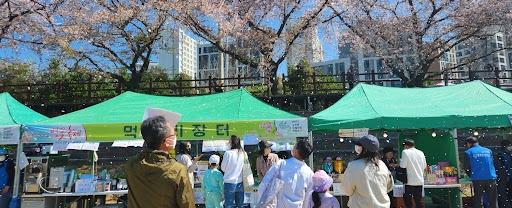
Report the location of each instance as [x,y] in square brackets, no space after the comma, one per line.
[215,64]
[307,46]
[178,53]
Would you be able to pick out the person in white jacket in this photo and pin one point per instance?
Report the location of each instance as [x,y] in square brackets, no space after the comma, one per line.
[232,166]
[296,175]
[367,180]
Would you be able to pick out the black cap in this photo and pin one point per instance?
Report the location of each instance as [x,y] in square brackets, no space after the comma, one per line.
[388,149]
[472,140]
[409,142]
[369,142]
[264,144]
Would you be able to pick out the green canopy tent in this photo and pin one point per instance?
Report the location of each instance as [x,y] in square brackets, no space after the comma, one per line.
[13,112]
[207,117]
[12,115]
[469,105]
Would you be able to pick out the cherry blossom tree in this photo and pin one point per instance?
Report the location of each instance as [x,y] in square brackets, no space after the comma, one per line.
[21,17]
[258,33]
[421,30]
[106,35]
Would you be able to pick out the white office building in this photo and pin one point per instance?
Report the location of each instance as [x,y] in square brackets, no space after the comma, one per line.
[477,48]
[215,64]
[357,62]
[306,47]
[178,53]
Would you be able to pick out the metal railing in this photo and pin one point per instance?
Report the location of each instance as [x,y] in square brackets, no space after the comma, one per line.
[90,92]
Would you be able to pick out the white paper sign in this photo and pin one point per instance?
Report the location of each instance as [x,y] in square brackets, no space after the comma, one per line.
[23,161]
[290,128]
[90,146]
[171,117]
[10,134]
[128,143]
[60,146]
[350,133]
[214,146]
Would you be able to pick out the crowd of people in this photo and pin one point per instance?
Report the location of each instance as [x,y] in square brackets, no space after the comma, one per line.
[158,180]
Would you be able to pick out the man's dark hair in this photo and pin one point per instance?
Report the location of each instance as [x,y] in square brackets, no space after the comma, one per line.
[154,130]
[471,140]
[305,149]
[409,142]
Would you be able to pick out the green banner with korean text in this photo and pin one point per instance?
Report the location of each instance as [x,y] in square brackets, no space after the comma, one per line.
[272,129]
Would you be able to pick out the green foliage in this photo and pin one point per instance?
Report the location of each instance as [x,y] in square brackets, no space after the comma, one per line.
[183,85]
[259,89]
[301,80]
[17,73]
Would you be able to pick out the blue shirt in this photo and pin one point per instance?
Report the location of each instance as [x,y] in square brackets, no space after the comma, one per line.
[213,181]
[481,165]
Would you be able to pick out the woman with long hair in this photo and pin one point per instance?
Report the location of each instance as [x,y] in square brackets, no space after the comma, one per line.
[232,166]
[183,156]
[367,180]
[320,196]
[266,159]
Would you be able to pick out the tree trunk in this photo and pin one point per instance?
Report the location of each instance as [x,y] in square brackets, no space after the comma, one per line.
[274,90]
[134,83]
[417,81]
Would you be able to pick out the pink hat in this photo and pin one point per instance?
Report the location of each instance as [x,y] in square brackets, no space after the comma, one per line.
[321,181]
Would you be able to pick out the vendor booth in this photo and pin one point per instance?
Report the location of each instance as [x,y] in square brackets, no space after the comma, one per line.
[111,126]
[12,115]
[430,116]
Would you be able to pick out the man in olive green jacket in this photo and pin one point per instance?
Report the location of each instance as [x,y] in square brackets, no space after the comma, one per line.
[155,179]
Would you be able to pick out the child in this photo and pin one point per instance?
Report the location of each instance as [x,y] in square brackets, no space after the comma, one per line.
[320,196]
[213,184]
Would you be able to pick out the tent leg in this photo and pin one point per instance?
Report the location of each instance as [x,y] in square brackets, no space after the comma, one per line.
[456,144]
[310,135]
[17,172]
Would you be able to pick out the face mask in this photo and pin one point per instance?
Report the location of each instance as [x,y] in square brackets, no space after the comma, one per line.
[358,149]
[509,148]
[2,158]
[172,143]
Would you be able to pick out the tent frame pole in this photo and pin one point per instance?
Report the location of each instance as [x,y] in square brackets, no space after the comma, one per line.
[310,139]
[456,145]
[17,169]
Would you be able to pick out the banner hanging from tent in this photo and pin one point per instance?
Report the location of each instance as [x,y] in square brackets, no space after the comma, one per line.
[286,128]
[10,134]
[271,129]
[61,134]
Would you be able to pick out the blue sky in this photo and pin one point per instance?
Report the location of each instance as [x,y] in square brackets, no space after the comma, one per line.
[41,60]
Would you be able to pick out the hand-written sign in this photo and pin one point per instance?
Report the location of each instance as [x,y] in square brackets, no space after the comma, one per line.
[53,133]
[349,133]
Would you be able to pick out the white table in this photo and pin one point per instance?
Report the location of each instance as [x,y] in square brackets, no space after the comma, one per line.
[398,190]
[118,193]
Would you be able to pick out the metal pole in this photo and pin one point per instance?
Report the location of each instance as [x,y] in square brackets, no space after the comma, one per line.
[456,144]
[311,155]
[17,170]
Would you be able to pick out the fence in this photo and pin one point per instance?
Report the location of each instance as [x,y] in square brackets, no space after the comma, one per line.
[90,92]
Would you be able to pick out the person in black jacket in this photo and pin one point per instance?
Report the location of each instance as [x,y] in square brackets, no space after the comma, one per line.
[6,178]
[390,161]
[503,164]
